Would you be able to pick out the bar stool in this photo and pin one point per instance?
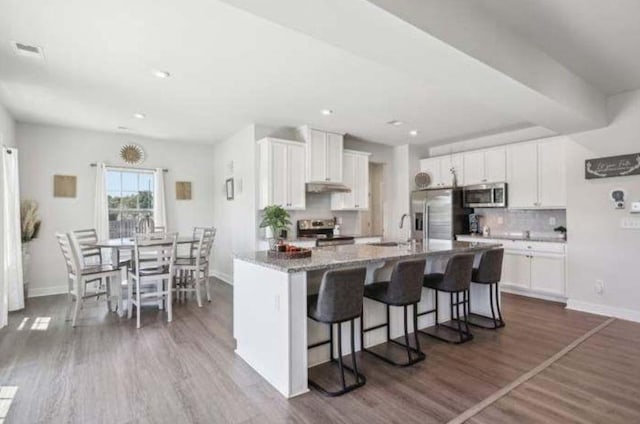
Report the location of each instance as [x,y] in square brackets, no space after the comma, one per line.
[455,281]
[404,289]
[339,300]
[489,272]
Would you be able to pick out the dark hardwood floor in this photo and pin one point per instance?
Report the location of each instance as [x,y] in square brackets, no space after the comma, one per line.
[107,371]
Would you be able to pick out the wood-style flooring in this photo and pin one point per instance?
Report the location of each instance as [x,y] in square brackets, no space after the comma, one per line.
[106,371]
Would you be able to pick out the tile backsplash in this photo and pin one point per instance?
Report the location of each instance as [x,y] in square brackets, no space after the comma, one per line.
[540,222]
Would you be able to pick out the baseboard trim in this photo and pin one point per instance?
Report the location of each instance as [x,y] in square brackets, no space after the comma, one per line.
[609,311]
[222,276]
[538,295]
[47,291]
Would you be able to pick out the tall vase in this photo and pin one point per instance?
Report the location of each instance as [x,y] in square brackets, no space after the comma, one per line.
[26,260]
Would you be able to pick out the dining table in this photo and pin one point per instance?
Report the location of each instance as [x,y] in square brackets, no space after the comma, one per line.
[126,245]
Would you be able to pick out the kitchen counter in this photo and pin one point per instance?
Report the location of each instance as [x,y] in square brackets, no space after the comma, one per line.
[312,239]
[270,322]
[331,257]
[545,239]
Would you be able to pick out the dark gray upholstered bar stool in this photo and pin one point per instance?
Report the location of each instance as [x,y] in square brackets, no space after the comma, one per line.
[489,272]
[339,300]
[455,280]
[404,289]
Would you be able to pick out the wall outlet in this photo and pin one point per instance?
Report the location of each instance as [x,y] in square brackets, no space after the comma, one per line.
[635,207]
[599,287]
[552,221]
[500,220]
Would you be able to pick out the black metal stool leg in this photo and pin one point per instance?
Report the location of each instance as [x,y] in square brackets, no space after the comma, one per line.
[481,321]
[344,384]
[415,326]
[352,323]
[502,324]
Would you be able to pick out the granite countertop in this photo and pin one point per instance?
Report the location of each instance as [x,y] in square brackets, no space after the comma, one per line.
[312,239]
[550,239]
[360,254]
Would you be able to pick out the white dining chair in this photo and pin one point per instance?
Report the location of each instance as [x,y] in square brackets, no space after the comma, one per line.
[152,273]
[79,277]
[90,255]
[194,271]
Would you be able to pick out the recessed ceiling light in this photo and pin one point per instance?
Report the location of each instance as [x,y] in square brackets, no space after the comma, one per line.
[326,112]
[139,115]
[395,123]
[121,128]
[27,50]
[160,74]
[413,133]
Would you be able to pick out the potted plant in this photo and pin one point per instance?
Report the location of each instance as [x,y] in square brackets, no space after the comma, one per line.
[30,227]
[276,219]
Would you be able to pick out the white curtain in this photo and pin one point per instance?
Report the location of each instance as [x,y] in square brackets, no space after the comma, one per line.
[11,286]
[159,203]
[101,210]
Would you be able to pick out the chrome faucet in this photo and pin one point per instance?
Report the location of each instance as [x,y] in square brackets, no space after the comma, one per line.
[404,215]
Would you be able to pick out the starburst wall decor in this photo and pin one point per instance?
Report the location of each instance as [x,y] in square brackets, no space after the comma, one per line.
[132,154]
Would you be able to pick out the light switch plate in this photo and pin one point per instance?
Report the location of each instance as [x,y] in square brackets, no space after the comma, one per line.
[630,222]
[635,207]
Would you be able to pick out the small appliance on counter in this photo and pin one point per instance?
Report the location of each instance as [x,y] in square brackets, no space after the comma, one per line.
[322,231]
[474,223]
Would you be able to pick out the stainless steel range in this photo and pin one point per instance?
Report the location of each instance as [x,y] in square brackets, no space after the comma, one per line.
[322,231]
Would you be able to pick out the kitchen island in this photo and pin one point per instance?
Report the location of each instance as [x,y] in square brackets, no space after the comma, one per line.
[270,304]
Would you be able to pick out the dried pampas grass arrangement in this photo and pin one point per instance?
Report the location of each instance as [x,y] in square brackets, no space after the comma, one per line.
[29,220]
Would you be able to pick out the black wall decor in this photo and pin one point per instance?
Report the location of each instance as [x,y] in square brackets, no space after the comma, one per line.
[612,166]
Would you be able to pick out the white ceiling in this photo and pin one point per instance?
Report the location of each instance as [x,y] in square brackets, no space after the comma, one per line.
[597,39]
[229,68]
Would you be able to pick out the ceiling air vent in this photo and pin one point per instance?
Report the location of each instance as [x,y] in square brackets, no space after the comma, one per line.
[27,50]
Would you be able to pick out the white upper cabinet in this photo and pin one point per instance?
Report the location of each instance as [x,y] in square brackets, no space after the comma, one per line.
[431,166]
[324,155]
[356,177]
[485,166]
[552,184]
[537,175]
[495,165]
[439,169]
[522,175]
[281,171]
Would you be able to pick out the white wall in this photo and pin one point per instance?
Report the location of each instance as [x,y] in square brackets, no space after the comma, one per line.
[236,219]
[7,137]
[47,150]
[598,247]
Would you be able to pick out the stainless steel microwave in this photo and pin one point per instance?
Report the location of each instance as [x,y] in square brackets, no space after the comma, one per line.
[486,196]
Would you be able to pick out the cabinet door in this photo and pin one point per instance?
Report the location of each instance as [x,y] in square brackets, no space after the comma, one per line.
[522,175]
[334,157]
[547,274]
[279,179]
[362,182]
[552,184]
[295,176]
[474,168]
[317,159]
[516,269]
[447,163]
[432,167]
[495,165]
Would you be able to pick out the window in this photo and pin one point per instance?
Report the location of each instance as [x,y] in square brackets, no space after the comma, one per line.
[130,196]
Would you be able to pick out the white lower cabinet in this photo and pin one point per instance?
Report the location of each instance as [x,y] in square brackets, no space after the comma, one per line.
[516,269]
[531,268]
[547,274]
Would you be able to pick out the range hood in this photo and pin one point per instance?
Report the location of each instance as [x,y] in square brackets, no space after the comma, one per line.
[327,187]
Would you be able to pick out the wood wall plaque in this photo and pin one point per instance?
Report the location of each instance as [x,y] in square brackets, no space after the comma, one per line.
[612,166]
[183,190]
[64,185]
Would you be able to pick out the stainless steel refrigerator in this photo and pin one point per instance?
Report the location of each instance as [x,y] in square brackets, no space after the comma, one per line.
[438,214]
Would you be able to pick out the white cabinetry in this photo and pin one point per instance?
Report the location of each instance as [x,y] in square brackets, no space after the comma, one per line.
[531,268]
[356,177]
[281,170]
[324,155]
[485,166]
[536,174]
[439,170]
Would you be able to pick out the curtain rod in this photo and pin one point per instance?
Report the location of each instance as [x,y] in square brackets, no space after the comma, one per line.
[94,164]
